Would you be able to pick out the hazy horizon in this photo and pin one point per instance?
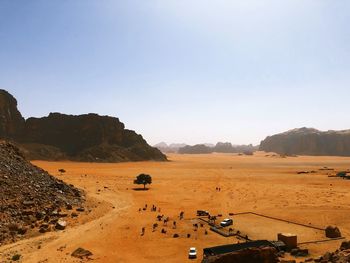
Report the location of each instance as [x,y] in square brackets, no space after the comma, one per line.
[182,71]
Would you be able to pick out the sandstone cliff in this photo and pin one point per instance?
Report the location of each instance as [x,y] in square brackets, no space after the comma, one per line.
[88,137]
[307,141]
[11,120]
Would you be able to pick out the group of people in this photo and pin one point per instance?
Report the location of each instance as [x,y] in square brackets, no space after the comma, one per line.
[165,220]
[153,208]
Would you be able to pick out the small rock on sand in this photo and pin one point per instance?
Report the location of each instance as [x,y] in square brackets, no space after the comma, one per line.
[81,253]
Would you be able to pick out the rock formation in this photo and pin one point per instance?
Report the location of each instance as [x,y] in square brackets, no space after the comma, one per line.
[30,198]
[226,147]
[88,137]
[220,147]
[250,255]
[342,255]
[195,149]
[11,120]
[307,141]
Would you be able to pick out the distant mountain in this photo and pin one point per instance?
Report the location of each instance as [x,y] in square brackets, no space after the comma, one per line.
[226,147]
[196,149]
[177,145]
[309,141]
[87,137]
[220,147]
[172,148]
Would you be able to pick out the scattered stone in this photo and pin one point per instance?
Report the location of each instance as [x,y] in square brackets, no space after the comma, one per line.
[80,209]
[298,252]
[81,253]
[16,257]
[249,255]
[30,198]
[74,214]
[22,230]
[61,224]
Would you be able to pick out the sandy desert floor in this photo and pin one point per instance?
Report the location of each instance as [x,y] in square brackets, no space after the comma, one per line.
[267,185]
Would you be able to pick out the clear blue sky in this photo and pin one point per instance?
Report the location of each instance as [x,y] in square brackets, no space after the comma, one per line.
[182,70]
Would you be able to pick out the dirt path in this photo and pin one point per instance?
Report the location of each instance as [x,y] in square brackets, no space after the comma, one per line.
[57,246]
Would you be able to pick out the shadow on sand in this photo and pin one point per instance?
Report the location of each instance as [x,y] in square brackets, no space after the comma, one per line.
[140,189]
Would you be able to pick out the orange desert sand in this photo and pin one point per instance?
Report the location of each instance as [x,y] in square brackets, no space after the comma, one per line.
[267,185]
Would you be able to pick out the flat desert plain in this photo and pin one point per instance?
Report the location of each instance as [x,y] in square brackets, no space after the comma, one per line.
[111,225]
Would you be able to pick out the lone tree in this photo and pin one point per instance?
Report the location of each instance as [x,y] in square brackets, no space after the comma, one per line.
[62,171]
[143,179]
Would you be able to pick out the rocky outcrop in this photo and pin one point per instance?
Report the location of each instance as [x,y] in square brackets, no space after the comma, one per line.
[220,147]
[30,198]
[226,147]
[306,141]
[11,120]
[342,255]
[87,137]
[250,255]
[195,149]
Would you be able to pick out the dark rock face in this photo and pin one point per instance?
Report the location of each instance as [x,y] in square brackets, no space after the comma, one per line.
[250,255]
[30,198]
[11,120]
[88,137]
[307,141]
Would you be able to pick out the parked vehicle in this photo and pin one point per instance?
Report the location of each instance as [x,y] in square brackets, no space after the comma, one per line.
[192,253]
[202,213]
[226,222]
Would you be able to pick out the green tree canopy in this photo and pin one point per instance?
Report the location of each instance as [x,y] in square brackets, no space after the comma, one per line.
[143,179]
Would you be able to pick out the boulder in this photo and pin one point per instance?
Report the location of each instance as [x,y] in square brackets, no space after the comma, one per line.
[345,245]
[61,224]
[332,232]
[81,253]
